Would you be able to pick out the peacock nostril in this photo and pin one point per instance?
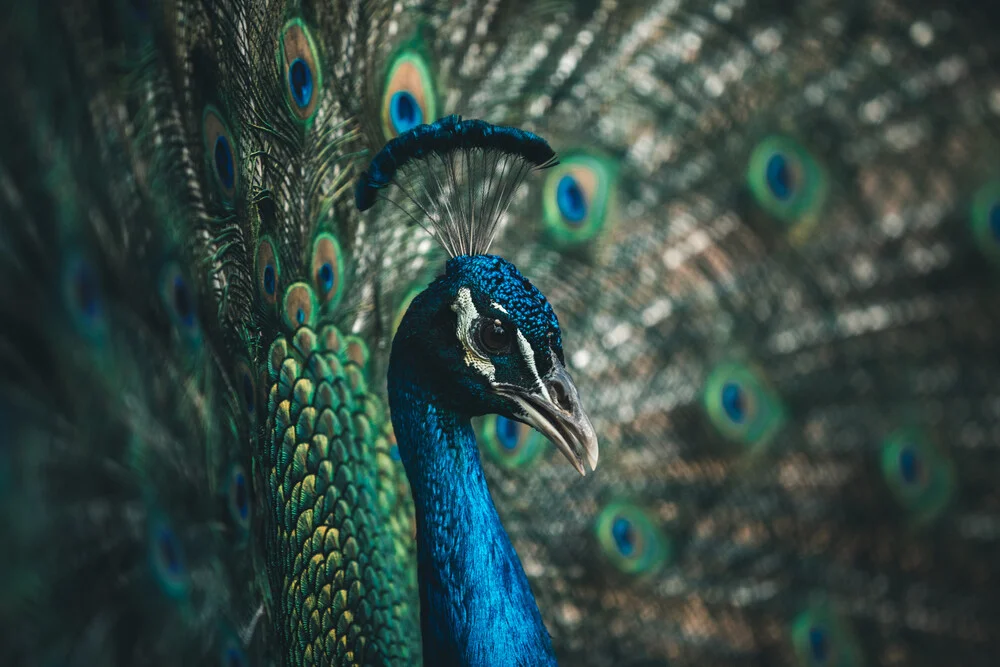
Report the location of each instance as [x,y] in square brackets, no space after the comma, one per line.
[560,395]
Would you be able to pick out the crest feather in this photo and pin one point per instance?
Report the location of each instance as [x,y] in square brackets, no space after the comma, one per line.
[455,178]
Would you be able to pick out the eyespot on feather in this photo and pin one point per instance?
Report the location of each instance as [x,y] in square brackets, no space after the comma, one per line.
[299,307]
[238,497]
[179,299]
[299,61]
[822,639]
[786,181]
[166,557]
[509,443]
[220,153]
[232,653]
[919,475]
[630,538]
[328,269]
[83,296]
[409,98]
[984,220]
[268,271]
[741,406]
[578,198]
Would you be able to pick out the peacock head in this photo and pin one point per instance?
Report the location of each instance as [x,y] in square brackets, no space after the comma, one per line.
[486,341]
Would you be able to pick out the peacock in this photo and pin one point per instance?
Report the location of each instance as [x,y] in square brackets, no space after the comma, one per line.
[313,312]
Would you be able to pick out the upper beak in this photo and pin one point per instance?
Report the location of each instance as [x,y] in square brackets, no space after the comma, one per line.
[555,411]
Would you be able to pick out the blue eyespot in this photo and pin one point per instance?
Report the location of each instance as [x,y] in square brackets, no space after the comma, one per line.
[233,657]
[303,71]
[270,283]
[326,277]
[299,306]
[823,638]
[224,162]
[408,95]
[579,198]
[631,538]
[82,295]
[404,112]
[508,442]
[779,177]
[788,183]
[167,558]
[741,406]
[818,644]
[219,152]
[508,431]
[624,536]
[984,220]
[87,291]
[232,653]
[732,402]
[170,553]
[239,496]
[920,476]
[183,302]
[301,81]
[571,200]
[909,465]
[179,299]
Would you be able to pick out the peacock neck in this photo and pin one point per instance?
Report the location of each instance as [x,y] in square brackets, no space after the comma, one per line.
[476,605]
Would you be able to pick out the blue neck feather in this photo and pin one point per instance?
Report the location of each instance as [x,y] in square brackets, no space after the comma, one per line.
[476,606]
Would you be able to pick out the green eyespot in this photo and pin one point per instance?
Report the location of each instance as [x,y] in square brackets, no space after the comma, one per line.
[299,307]
[787,181]
[246,388]
[166,557]
[985,220]
[179,299]
[268,271]
[298,60]
[920,476]
[630,539]
[328,270]
[822,639]
[409,98]
[220,153]
[238,497]
[84,298]
[510,443]
[578,197]
[741,405]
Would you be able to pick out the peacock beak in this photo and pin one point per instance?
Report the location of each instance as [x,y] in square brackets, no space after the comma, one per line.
[555,411]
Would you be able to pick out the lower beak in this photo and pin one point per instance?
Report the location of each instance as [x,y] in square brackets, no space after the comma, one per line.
[555,411]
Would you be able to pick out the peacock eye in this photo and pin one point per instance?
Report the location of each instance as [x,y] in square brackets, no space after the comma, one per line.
[494,337]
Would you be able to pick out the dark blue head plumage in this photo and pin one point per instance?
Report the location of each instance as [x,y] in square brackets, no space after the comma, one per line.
[482,338]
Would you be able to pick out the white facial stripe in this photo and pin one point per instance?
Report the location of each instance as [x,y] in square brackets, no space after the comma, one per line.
[529,358]
[500,308]
[467,314]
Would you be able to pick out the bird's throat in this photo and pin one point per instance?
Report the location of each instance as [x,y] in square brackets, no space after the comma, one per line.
[476,605]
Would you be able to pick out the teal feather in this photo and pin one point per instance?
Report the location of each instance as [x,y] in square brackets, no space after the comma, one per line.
[774,264]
